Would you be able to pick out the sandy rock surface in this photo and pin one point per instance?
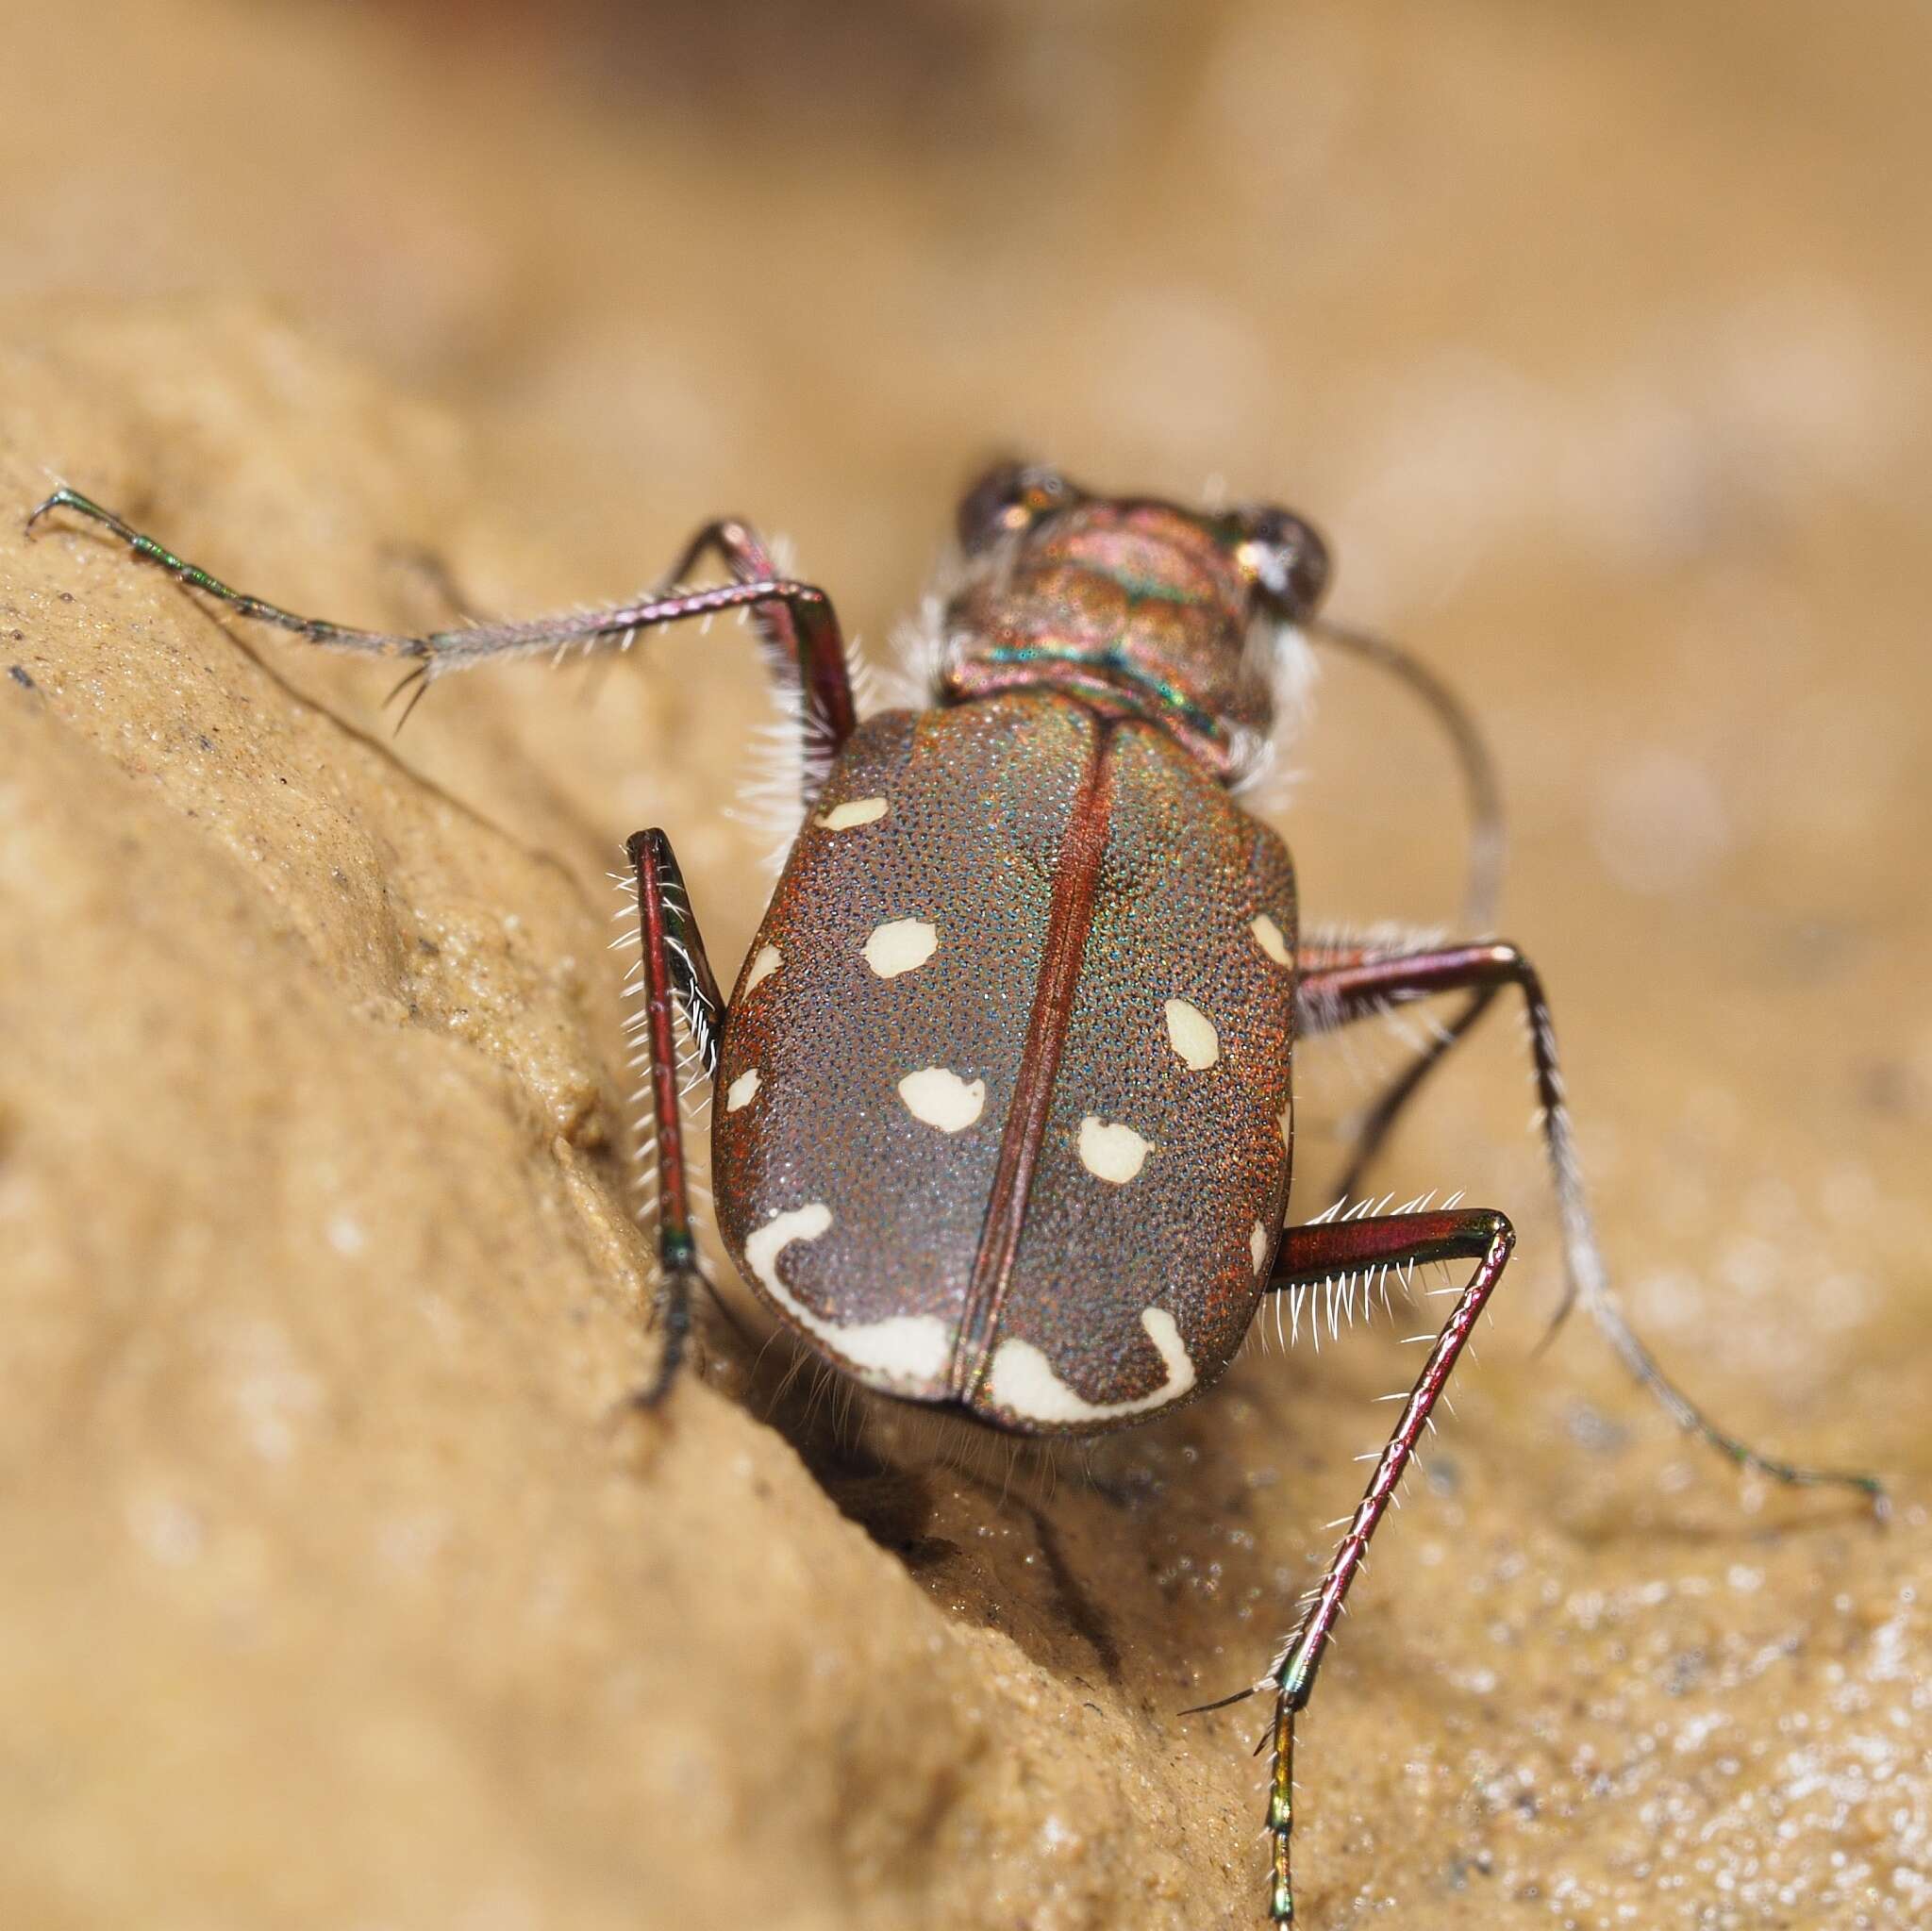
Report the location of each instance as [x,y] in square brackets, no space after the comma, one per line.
[337,1591]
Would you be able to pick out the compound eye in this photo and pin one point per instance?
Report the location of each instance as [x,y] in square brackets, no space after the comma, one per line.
[1011,497]
[1285,557]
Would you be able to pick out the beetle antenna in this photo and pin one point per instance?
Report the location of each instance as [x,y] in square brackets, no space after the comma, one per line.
[1483,889]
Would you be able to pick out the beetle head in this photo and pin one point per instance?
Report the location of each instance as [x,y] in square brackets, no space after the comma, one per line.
[1133,605]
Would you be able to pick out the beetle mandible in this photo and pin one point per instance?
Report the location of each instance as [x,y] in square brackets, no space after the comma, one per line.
[1008,1117]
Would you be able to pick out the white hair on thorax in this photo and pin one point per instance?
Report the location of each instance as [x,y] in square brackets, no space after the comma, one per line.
[1283,657]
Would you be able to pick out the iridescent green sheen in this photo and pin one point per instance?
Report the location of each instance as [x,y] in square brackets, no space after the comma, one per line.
[1133,609]
[1115,658]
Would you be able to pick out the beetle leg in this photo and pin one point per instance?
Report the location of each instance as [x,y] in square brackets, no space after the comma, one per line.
[1379,1121]
[1482,890]
[796,624]
[673,967]
[1309,1255]
[747,559]
[1339,991]
[812,661]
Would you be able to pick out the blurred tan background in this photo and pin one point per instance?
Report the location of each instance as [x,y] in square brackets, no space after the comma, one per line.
[1595,340]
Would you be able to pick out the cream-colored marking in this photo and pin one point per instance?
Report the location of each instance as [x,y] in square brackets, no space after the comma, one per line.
[742,1091]
[1192,1034]
[900,945]
[1112,1152]
[940,1098]
[1257,1246]
[1284,1122]
[762,966]
[904,1347]
[853,812]
[1023,1380]
[1268,937]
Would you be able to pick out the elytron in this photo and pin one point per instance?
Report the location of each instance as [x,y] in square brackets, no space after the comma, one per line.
[1006,1116]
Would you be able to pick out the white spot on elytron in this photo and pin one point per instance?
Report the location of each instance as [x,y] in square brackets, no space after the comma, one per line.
[853,813]
[1268,937]
[906,1347]
[1257,1246]
[1023,1380]
[762,966]
[1192,1034]
[940,1098]
[761,1251]
[900,945]
[742,1091]
[1112,1152]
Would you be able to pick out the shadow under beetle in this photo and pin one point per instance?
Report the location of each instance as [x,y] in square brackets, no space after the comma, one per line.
[1007,1114]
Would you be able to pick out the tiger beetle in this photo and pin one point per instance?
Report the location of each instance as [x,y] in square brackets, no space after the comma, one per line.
[1006,1116]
